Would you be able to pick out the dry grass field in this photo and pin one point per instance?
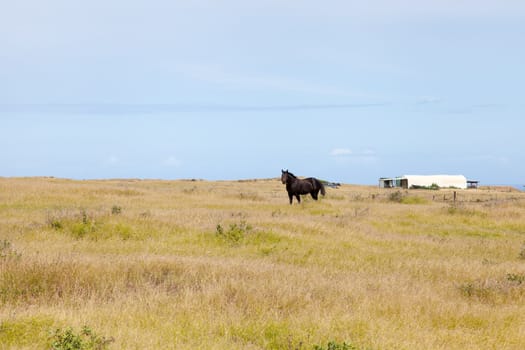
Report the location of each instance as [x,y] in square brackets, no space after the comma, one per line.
[231,265]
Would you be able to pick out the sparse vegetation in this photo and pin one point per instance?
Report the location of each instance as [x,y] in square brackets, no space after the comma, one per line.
[522,252]
[231,265]
[333,345]
[235,232]
[116,210]
[7,252]
[414,200]
[86,339]
[396,196]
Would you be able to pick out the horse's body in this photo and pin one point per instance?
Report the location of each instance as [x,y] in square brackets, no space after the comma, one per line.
[296,187]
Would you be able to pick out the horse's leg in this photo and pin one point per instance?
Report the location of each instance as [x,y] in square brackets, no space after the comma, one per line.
[291,197]
[298,196]
[314,194]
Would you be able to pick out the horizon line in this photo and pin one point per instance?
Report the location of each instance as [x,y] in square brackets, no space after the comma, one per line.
[517,186]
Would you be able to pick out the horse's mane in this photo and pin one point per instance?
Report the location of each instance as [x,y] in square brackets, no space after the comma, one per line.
[292,175]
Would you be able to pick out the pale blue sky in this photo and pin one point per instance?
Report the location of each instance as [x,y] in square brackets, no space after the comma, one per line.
[347,91]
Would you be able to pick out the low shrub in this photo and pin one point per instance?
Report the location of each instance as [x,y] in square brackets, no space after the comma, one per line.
[517,278]
[86,339]
[116,210]
[404,198]
[396,196]
[235,232]
[332,345]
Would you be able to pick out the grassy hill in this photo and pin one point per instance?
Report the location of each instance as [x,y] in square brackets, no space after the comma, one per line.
[231,265]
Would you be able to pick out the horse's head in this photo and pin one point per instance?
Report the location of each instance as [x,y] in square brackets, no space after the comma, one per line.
[284,176]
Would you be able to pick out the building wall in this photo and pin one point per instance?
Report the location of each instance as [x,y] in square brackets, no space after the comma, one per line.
[458,181]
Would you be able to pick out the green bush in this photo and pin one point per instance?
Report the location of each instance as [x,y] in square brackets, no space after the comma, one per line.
[517,278]
[86,339]
[56,224]
[235,232]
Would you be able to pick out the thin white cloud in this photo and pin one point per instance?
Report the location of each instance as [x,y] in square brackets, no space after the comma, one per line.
[346,152]
[345,156]
[338,152]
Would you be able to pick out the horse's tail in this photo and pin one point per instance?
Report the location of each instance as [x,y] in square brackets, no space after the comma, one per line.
[320,185]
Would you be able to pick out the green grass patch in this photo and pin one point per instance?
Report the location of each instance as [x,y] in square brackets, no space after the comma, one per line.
[432,222]
[242,233]
[22,332]
[103,226]
[272,335]
[334,345]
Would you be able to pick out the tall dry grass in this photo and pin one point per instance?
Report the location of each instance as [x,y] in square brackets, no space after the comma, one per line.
[231,265]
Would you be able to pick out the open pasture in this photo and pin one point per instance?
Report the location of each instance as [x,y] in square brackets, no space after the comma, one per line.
[187,264]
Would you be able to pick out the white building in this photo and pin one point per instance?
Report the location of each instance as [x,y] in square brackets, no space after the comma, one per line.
[408,181]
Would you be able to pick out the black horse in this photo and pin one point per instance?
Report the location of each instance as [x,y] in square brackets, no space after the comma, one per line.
[296,187]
